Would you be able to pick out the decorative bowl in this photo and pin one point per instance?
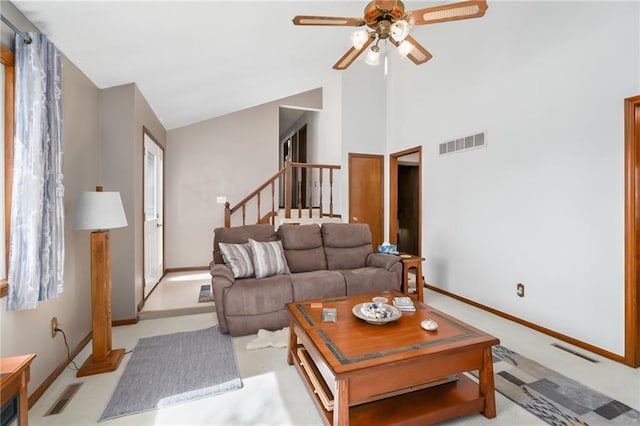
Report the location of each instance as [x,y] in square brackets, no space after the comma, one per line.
[377,314]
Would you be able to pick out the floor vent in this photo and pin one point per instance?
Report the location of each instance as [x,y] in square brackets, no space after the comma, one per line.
[64,399]
[571,351]
[465,143]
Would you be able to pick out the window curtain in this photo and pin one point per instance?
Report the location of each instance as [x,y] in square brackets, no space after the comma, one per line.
[36,250]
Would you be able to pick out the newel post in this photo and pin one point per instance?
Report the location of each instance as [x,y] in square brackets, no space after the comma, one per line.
[227,215]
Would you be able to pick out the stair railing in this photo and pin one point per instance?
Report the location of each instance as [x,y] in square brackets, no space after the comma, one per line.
[315,173]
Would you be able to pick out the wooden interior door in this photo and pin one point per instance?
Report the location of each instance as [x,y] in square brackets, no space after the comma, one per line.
[632,231]
[366,193]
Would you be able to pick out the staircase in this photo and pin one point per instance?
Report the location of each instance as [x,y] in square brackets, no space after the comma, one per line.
[307,195]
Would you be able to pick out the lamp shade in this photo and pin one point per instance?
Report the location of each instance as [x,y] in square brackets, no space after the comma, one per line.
[98,210]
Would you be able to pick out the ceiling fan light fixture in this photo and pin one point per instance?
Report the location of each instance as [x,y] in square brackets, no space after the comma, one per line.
[399,30]
[373,56]
[359,38]
[405,48]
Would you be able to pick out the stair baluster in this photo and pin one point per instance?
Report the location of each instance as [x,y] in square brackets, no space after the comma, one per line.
[302,169]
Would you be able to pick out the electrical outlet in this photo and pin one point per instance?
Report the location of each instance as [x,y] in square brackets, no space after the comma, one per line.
[54,326]
[520,290]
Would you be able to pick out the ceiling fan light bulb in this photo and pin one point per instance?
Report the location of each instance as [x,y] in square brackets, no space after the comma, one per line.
[405,48]
[359,38]
[399,30]
[373,56]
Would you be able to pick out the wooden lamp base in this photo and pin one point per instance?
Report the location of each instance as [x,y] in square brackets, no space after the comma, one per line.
[110,363]
[103,359]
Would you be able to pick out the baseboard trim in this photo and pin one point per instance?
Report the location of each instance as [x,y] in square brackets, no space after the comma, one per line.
[129,321]
[35,396]
[188,269]
[587,346]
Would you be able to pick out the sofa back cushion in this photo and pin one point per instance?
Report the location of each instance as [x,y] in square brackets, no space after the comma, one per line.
[240,235]
[346,245]
[302,246]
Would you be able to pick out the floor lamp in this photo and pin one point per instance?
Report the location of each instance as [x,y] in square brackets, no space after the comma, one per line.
[100,211]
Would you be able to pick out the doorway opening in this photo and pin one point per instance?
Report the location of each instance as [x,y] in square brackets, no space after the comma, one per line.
[405,198]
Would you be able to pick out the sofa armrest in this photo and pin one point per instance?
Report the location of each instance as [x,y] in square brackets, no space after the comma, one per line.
[222,271]
[382,260]
[221,279]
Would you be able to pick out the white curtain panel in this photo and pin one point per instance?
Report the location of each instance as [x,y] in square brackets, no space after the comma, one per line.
[36,254]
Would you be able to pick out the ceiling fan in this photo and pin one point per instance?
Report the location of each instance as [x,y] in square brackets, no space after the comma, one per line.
[388,20]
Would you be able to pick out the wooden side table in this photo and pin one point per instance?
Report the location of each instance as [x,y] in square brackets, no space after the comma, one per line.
[410,261]
[14,376]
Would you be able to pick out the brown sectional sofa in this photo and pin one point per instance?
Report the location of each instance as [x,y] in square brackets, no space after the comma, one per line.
[334,259]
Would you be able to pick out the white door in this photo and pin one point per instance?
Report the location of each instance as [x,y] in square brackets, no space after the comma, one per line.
[153,214]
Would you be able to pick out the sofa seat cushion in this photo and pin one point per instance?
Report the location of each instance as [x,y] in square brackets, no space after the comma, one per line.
[251,296]
[346,245]
[317,284]
[302,246]
[369,279]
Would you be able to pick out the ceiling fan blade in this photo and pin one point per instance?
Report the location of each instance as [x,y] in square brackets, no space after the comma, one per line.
[418,54]
[447,12]
[351,55]
[328,20]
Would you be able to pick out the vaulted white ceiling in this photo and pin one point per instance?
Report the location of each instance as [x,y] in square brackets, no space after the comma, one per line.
[194,60]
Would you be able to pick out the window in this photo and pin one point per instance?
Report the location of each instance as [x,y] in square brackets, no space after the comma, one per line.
[6,160]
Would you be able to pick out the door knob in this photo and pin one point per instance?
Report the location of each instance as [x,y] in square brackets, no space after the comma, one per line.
[355,219]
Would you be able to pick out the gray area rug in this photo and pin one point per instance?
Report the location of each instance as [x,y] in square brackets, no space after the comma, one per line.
[174,368]
[205,294]
[552,397]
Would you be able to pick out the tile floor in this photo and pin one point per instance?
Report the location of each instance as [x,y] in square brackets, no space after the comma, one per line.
[272,392]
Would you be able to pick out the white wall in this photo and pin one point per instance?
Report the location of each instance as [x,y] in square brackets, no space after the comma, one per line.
[542,204]
[225,156]
[364,121]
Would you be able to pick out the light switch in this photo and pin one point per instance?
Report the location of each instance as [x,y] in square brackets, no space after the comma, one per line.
[221,199]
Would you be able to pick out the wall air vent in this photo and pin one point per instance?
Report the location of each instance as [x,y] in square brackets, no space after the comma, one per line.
[465,143]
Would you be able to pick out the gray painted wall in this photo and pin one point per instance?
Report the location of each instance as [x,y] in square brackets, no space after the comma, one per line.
[29,331]
[123,113]
[102,146]
[225,156]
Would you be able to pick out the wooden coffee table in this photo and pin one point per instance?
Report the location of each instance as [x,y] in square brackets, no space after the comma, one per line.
[396,373]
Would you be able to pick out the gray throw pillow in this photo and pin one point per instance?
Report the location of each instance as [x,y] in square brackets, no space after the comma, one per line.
[268,258]
[238,258]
